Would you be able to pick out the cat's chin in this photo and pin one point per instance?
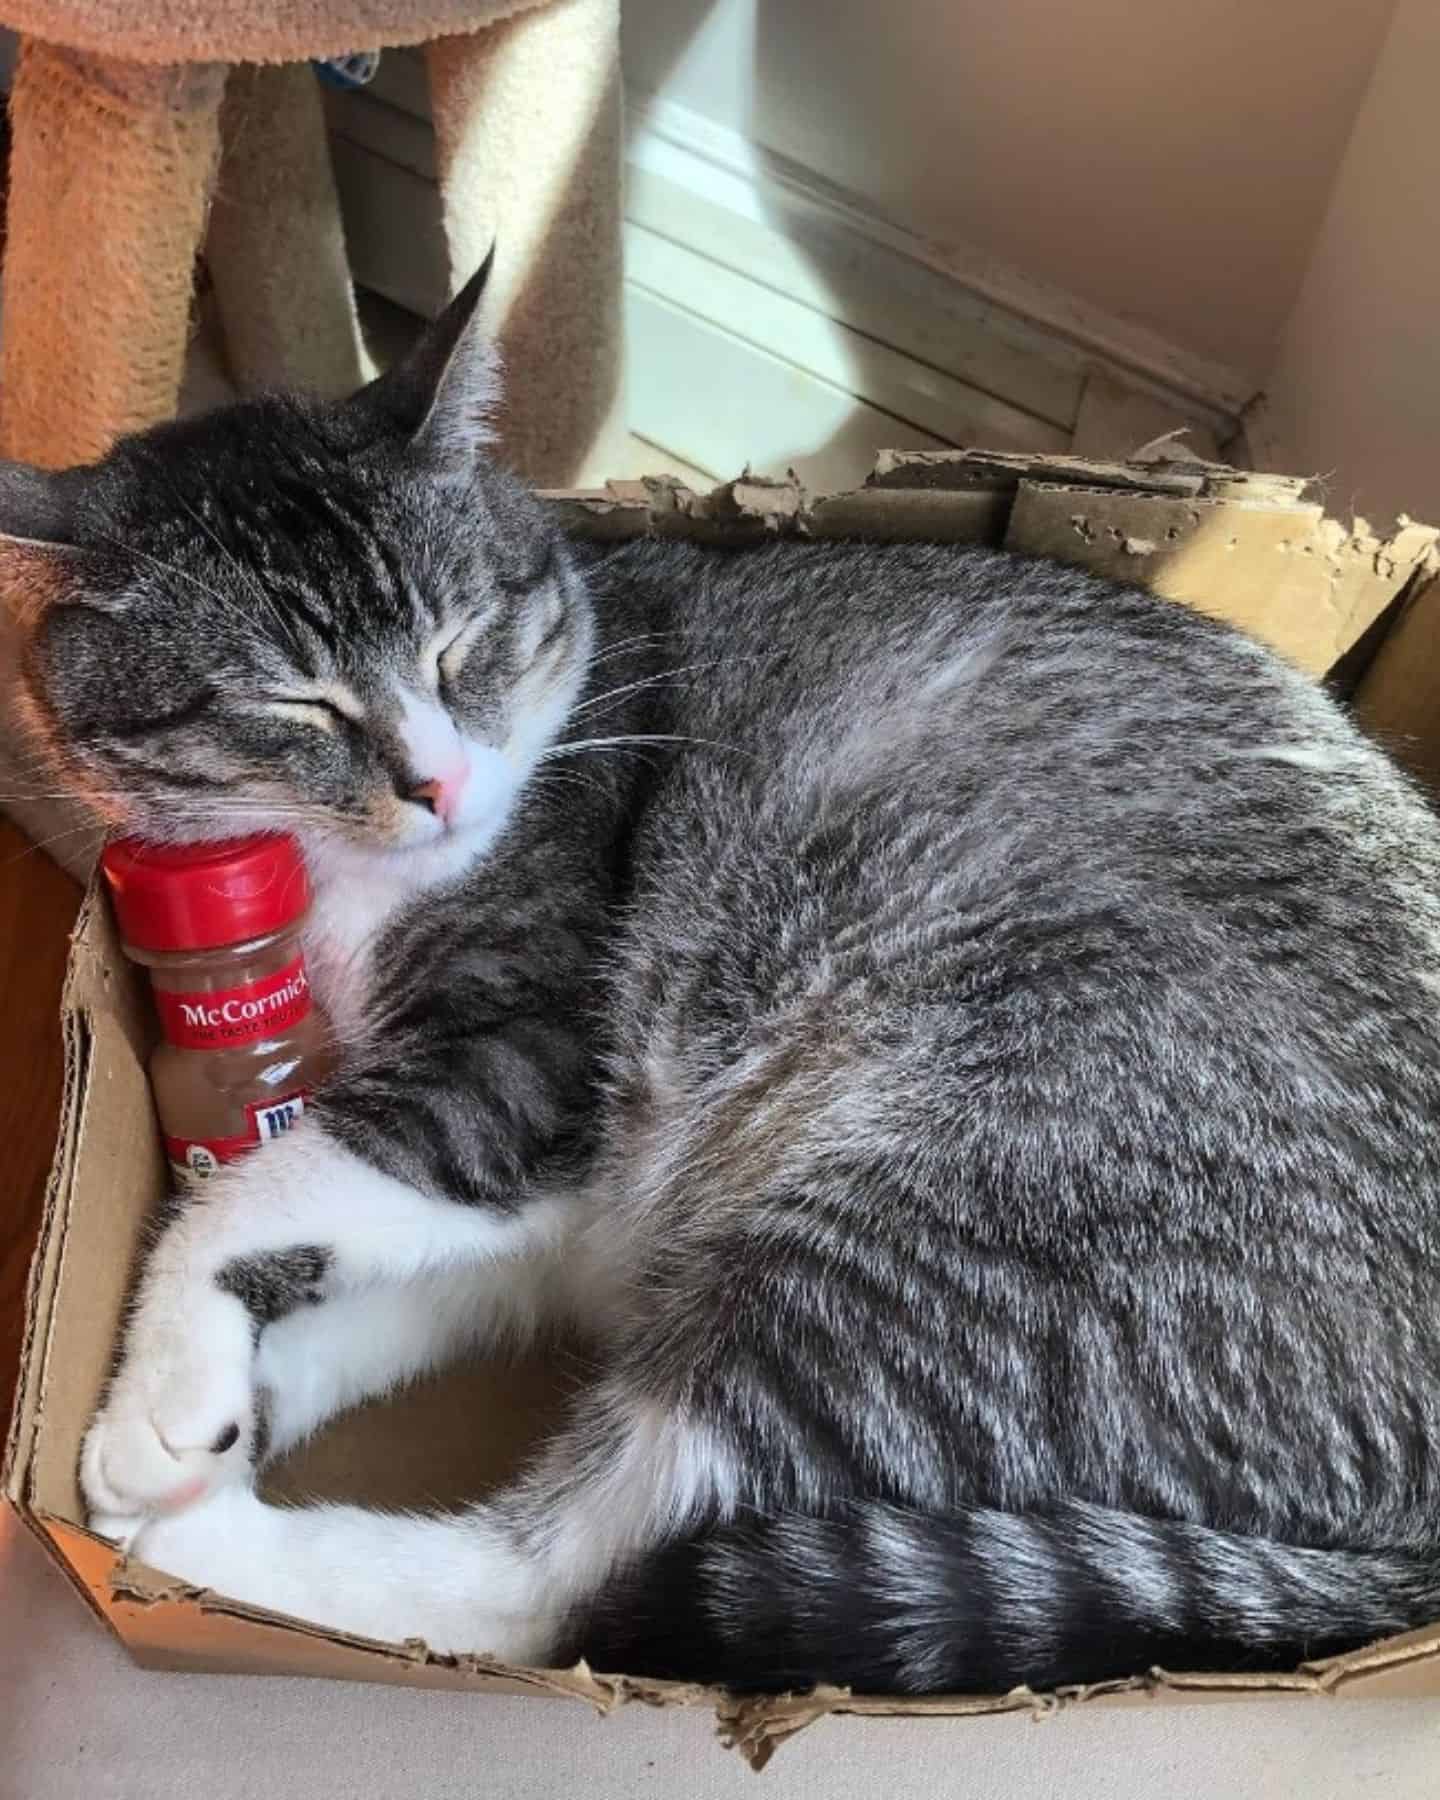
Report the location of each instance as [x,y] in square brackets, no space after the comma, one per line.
[426,845]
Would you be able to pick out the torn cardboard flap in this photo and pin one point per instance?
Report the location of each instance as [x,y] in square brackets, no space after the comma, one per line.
[1264,566]
[1242,546]
[1153,470]
[972,515]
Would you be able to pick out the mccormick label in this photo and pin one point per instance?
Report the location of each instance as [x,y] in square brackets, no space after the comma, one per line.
[196,1159]
[238,1015]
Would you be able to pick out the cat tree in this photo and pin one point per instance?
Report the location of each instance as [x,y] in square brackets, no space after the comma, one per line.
[131,131]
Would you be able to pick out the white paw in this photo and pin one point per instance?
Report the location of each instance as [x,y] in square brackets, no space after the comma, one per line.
[218,1543]
[272,1556]
[178,1420]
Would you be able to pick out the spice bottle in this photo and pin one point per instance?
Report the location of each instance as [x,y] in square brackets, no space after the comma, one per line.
[218,927]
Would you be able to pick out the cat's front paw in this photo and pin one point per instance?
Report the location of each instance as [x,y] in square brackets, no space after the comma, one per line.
[224,1542]
[179,1418]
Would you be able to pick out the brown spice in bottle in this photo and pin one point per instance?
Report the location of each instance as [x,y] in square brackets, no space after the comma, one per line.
[218,927]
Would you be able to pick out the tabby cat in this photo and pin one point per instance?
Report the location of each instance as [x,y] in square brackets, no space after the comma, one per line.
[962,1037]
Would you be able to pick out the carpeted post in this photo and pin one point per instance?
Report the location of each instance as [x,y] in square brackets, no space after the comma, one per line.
[110,175]
[528,123]
[276,246]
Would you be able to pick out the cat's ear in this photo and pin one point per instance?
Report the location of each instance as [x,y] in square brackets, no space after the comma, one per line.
[37,535]
[442,394]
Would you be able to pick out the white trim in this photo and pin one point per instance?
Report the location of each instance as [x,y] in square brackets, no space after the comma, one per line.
[931,399]
[672,144]
[707,396]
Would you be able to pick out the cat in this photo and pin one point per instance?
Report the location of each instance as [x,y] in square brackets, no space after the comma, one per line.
[960,1036]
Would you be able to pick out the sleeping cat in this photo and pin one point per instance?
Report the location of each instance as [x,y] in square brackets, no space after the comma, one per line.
[961,1036]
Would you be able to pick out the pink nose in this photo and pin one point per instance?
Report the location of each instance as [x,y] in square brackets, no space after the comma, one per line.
[442,794]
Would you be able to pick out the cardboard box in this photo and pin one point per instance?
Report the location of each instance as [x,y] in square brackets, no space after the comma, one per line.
[1249,547]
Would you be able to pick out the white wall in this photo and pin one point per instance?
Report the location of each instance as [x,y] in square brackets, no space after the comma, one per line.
[1356,385]
[1165,159]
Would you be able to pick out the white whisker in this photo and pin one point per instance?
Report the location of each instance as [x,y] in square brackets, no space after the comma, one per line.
[168,568]
[256,587]
[641,740]
[645,681]
[611,651]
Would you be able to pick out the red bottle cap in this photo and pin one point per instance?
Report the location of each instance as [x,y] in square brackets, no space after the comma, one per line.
[200,896]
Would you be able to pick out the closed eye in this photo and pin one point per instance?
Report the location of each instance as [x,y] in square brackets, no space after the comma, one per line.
[328,712]
[447,655]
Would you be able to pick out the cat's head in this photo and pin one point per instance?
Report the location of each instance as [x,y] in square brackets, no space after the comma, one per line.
[336,619]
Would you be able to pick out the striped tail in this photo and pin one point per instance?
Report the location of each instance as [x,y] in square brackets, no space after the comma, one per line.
[886,1600]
